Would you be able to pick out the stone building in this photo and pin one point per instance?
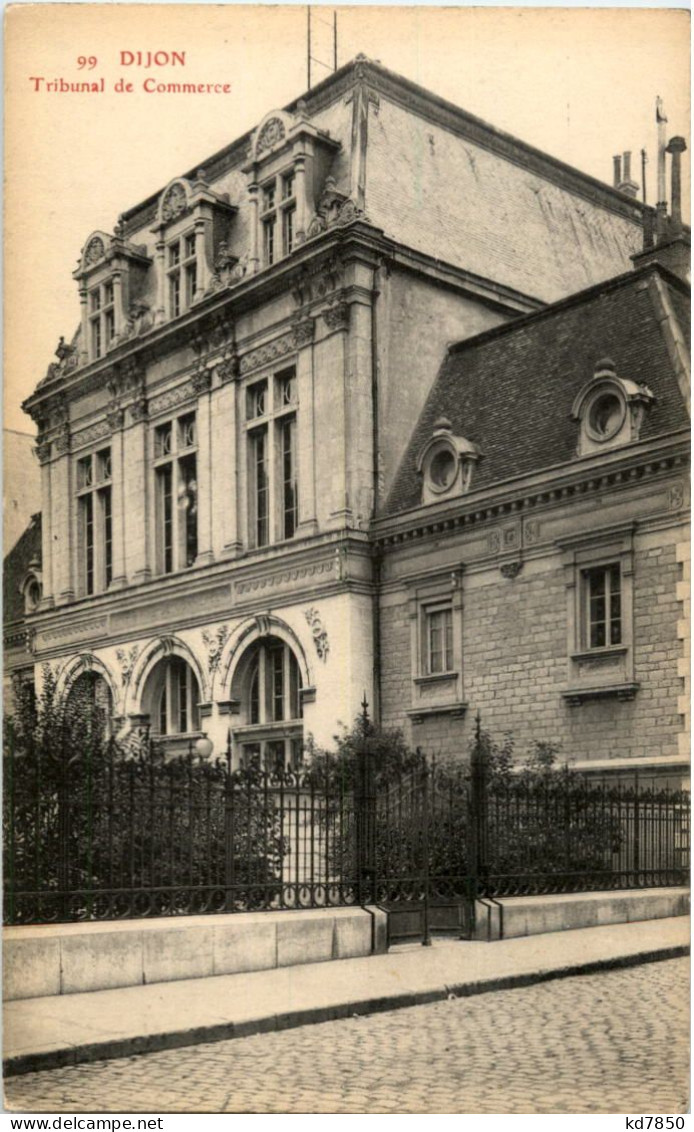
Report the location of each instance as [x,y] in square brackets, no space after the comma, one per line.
[259,501]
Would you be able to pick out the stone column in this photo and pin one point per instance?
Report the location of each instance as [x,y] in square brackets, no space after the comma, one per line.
[62,514]
[253,258]
[336,318]
[119,313]
[306,456]
[84,328]
[226,538]
[160,269]
[203,267]
[115,423]
[202,382]
[300,182]
[136,495]
[43,451]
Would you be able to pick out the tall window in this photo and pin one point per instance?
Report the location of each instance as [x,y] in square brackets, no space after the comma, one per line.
[95,522]
[603,606]
[271,408]
[271,683]
[182,273]
[102,319]
[176,493]
[172,698]
[439,639]
[278,215]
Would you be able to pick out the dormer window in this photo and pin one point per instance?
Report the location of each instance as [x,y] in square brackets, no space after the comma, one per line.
[446,463]
[31,588]
[278,218]
[609,409]
[102,319]
[182,274]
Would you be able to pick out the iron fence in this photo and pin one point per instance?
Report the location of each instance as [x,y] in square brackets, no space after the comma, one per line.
[100,836]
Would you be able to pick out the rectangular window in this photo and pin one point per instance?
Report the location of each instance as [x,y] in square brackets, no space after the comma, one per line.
[95,522]
[96,338]
[176,493]
[174,254]
[289,493]
[439,640]
[191,283]
[288,186]
[190,245]
[269,240]
[277,667]
[175,295]
[260,486]
[109,326]
[256,400]
[108,294]
[287,230]
[603,606]
[95,299]
[269,197]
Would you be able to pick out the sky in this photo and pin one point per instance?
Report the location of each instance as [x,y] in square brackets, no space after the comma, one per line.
[579,84]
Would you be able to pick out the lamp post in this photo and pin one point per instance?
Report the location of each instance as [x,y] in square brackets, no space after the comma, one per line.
[203,747]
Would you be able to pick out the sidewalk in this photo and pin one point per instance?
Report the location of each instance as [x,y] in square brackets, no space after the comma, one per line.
[43,1033]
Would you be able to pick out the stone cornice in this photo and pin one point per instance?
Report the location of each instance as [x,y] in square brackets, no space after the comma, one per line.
[359,241]
[579,479]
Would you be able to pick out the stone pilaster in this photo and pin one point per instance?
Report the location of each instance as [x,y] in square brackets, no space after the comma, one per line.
[306,466]
[202,381]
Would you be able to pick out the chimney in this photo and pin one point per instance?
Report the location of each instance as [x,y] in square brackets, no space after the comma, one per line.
[626,185]
[661,199]
[617,162]
[676,147]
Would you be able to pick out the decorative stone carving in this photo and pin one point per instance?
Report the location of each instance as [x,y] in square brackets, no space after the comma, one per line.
[168,646]
[228,368]
[114,417]
[68,359]
[676,496]
[43,452]
[126,660]
[268,353]
[214,643]
[334,209]
[272,133]
[318,281]
[138,409]
[494,542]
[202,381]
[175,202]
[94,433]
[62,440]
[139,321]
[94,251]
[510,570]
[532,531]
[336,317]
[320,636]
[223,274]
[173,397]
[303,332]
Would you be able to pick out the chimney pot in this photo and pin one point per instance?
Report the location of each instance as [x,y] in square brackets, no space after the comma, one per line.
[626,171]
[676,147]
[617,163]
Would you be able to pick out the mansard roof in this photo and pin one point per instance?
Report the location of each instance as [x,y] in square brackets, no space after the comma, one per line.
[510,390]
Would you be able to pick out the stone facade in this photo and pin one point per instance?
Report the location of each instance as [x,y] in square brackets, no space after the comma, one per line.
[224,443]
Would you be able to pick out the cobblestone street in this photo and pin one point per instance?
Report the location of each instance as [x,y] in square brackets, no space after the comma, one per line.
[615,1042]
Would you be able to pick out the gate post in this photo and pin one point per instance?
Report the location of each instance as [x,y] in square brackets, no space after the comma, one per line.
[426,935]
[365,816]
[229,858]
[478,831]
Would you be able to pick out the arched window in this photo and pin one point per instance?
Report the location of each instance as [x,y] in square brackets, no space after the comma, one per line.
[268,685]
[89,702]
[172,697]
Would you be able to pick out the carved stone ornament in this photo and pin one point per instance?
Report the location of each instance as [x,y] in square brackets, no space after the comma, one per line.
[494,542]
[62,440]
[320,636]
[175,202]
[303,332]
[214,643]
[334,209]
[138,409]
[265,354]
[126,659]
[139,321]
[94,251]
[272,133]
[43,452]
[202,381]
[224,269]
[676,497]
[532,531]
[510,570]
[114,417]
[336,317]
[228,368]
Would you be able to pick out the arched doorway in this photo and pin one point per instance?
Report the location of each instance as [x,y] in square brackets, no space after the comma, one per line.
[89,704]
[267,685]
[171,699]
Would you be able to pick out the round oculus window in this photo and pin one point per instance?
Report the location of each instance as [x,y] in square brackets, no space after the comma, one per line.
[442,469]
[605,416]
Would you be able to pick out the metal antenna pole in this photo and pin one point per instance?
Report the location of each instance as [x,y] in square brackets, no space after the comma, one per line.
[308,55]
[334,40]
